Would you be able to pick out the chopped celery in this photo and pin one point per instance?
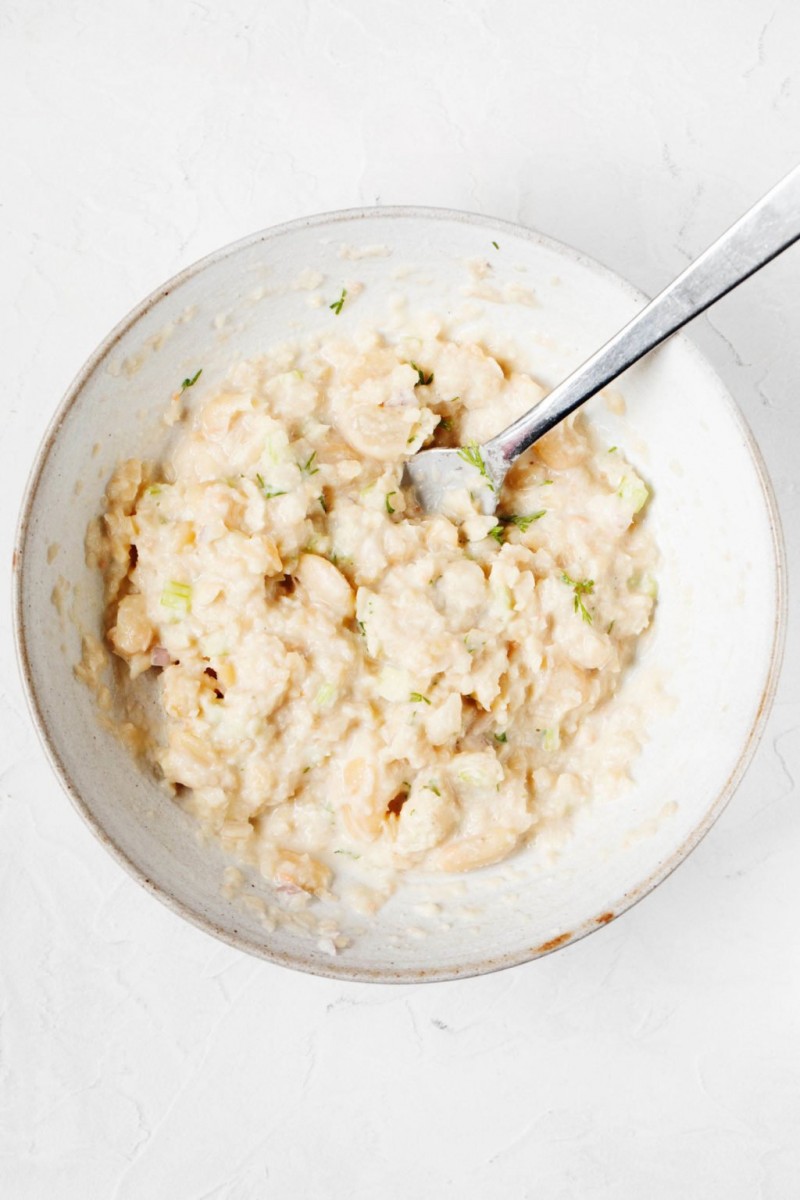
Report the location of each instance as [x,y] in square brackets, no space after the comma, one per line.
[644,583]
[325,695]
[177,596]
[276,447]
[633,491]
[501,596]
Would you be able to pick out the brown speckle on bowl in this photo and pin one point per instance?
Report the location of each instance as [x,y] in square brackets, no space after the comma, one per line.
[554,943]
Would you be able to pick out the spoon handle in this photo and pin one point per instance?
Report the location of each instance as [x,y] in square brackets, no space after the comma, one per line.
[765,231]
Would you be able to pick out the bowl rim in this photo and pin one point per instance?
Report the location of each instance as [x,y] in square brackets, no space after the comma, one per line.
[338,968]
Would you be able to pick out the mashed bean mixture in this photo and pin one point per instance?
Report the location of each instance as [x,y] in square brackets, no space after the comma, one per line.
[341,674]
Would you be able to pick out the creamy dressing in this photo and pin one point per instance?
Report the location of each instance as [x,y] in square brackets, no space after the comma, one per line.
[351,688]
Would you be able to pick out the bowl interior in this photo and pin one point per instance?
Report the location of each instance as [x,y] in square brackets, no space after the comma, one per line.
[706,670]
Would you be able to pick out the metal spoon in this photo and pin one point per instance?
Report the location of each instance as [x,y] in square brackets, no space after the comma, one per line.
[765,231]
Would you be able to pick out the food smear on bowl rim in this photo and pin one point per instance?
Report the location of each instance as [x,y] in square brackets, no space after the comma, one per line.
[349,688]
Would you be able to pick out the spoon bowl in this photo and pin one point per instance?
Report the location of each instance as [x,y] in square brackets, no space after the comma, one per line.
[435,475]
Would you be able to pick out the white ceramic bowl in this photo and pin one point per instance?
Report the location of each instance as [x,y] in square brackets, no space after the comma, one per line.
[718,628]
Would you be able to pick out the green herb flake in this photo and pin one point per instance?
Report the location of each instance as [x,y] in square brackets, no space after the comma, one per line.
[349,853]
[389,506]
[268,492]
[423,380]
[610,627]
[523,522]
[187,383]
[495,245]
[471,453]
[323,503]
[446,424]
[502,738]
[612,449]
[580,588]
[338,305]
[308,467]
[418,698]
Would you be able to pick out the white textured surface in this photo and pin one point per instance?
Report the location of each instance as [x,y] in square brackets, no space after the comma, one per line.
[138,1058]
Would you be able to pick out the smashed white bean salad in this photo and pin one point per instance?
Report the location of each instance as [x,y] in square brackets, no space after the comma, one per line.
[346,681]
